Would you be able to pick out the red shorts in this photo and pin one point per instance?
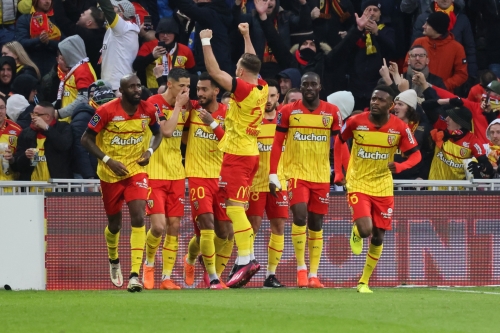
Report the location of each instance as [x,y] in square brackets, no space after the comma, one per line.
[380,209]
[205,198]
[315,195]
[132,188]
[166,197]
[236,176]
[275,207]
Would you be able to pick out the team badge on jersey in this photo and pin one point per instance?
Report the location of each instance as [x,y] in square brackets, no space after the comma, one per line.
[326,121]
[150,204]
[196,204]
[12,140]
[278,121]
[463,152]
[391,139]
[95,120]
[144,123]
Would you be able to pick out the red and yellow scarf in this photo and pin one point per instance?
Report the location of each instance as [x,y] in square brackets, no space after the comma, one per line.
[325,6]
[40,22]
[450,12]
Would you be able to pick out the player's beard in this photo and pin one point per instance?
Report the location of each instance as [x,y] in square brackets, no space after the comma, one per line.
[132,99]
[206,103]
[273,107]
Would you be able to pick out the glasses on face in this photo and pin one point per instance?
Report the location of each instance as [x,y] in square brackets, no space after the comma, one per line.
[36,114]
[420,55]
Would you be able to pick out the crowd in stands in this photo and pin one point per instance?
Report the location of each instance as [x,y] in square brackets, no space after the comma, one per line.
[62,59]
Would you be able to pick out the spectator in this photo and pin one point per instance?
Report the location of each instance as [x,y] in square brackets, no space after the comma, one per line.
[121,41]
[288,79]
[418,61]
[459,26]
[21,104]
[292,96]
[85,164]
[446,56]
[8,9]
[405,108]
[23,62]
[43,149]
[76,76]
[330,17]
[9,131]
[213,15]
[50,82]
[410,6]
[39,35]
[89,26]
[476,92]
[165,49]
[493,135]
[7,74]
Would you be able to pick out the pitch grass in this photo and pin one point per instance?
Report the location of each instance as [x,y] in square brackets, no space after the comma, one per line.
[252,310]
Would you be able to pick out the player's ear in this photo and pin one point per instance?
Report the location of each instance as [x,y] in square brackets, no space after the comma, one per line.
[392,106]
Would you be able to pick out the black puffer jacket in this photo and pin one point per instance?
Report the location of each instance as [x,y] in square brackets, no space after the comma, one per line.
[83,163]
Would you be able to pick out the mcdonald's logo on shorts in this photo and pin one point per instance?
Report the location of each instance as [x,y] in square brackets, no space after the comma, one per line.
[243,192]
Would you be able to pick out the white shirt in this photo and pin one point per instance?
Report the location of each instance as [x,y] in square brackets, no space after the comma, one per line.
[119,50]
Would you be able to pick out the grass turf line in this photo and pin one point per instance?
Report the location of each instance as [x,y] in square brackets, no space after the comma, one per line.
[250,310]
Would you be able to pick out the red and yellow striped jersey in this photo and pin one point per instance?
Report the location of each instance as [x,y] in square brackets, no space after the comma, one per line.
[265,142]
[243,118]
[122,137]
[203,157]
[81,78]
[309,139]
[8,135]
[166,162]
[449,156]
[41,170]
[372,149]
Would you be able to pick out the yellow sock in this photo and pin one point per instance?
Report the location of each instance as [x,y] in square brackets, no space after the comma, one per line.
[223,250]
[372,257]
[112,243]
[243,232]
[274,252]
[193,250]
[208,250]
[137,242]
[299,244]
[355,230]
[315,243]
[169,254]
[152,244]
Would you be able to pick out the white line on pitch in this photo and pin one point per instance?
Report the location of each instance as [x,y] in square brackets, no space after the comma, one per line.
[468,291]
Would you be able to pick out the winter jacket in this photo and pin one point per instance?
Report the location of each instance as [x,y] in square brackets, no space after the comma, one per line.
[25,69]
[462,32]
[50,85]
[84,163]
[43,55]
[490,21]
[216,16]
[92,38]
[24,119]
[326,29]
[57,151]
[446,59]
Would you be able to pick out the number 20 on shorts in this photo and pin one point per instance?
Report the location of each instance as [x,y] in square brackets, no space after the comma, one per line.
[197,193]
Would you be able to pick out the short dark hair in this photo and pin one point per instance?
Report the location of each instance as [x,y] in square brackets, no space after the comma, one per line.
[251,63]
[227,94]
[386,89]
[205,76]
[98,16]
[311,74]
[177,73]
[273,83]
[486,78]
[45,104]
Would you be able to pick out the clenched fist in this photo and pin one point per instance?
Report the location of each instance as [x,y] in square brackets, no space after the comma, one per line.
[207,33]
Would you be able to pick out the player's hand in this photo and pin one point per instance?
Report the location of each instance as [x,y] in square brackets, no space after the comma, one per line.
[182,98]
[207,33]
[244,29]
[144,159]
[7,155]
[158,51]
[274,183]
[392,167]
[117,167]
[339,180]
[206,117]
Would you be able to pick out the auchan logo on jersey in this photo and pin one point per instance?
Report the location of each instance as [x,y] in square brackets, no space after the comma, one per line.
[126,142]
[263,148]
[309,137]
[204,135]
[372,155]
[448,162]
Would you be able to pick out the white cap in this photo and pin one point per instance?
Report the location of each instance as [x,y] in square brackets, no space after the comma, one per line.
[16,104]
[344,100]
[126,7]
[409,97]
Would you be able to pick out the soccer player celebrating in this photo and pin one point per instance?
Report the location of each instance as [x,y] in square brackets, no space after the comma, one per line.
[239,145]
[116,136]
[203,163]
[376,137]
[167,184]
[309,123]
[260,199]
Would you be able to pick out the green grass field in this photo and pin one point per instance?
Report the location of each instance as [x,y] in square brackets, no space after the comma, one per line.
[253,310]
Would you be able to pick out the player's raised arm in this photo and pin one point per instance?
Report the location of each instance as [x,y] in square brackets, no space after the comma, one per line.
[222,78]
[245,32]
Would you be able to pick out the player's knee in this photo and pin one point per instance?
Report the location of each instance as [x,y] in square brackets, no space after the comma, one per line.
[278,226]
[300,220]
[157,230]
[377,240]
[137,220]
[364,231]
[205,222]
[315,223]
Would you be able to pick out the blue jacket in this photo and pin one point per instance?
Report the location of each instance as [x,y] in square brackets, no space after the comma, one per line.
[462,32]
[84,163]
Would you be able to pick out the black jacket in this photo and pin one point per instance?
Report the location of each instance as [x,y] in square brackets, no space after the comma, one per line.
[57,151]
[84,163]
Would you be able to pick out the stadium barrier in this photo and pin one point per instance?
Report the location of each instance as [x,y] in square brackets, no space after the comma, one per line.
[438,238]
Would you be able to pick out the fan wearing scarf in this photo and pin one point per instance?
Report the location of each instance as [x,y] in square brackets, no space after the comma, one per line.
[76,75]
[165,51]
[39,36]
[493,134]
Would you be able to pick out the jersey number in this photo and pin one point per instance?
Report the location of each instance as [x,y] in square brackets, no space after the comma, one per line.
[197,192]
[258,111]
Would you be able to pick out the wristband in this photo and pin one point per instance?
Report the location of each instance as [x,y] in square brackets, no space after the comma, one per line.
[214,125]
[205,41]
[105,159]
[151,151]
